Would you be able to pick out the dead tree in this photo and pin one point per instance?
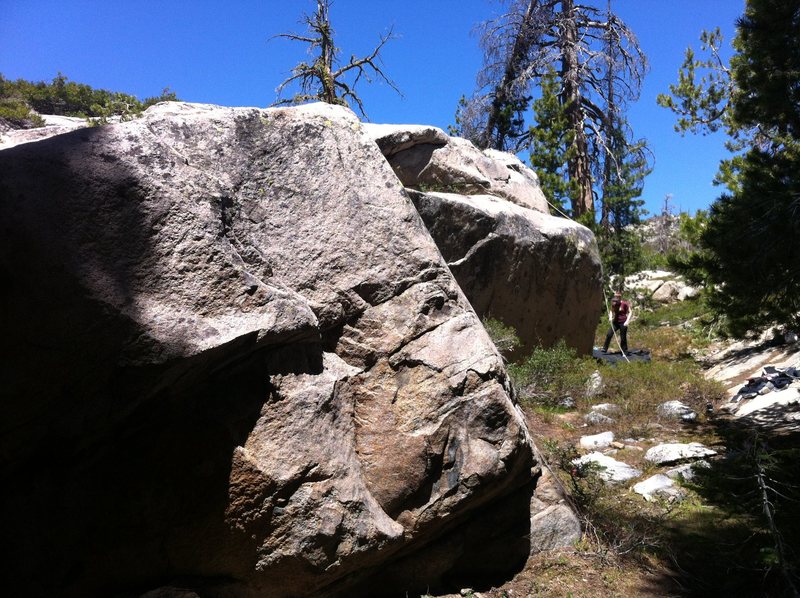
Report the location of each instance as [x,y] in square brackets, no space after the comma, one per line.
[519,48]
[324,79]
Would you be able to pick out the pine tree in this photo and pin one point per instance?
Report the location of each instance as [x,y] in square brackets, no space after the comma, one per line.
[749,257]
[623,183]
[520,48]
[622,168]
[551,145]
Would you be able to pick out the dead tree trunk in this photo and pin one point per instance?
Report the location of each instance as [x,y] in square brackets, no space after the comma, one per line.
[579,165]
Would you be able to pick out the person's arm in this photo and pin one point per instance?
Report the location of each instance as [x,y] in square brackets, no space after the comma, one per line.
[630,315]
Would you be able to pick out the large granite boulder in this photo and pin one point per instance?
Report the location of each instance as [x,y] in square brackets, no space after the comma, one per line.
[426,158]
[537,273]
[239,365]
[485,210]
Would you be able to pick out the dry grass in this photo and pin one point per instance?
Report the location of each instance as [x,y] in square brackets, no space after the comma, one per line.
[583,574]
[713,543]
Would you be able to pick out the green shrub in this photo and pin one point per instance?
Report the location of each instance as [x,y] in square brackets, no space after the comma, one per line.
[548,375]
[504,337]
[18,114]
[68,98]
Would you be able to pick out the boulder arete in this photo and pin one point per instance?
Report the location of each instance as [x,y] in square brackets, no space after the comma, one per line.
[237,362]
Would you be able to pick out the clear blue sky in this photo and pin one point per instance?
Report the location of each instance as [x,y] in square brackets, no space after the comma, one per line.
[220,52]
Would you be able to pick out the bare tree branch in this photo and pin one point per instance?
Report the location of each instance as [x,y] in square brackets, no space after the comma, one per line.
[321,80]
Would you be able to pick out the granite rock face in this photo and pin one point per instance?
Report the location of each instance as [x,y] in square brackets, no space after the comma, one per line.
[426,157]
[54,125]
[485,210]
[535,272]
[240,360]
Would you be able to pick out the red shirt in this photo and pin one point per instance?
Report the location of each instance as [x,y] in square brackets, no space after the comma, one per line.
[622,312]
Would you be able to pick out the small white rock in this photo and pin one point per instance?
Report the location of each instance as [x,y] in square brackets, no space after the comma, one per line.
[597,441]
[606,407]
[658,485]
[687,470]
[598,419]
[664,454]
[611,470]
[676,410]
[594,385]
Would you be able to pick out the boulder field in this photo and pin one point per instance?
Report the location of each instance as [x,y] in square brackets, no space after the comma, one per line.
[237,363]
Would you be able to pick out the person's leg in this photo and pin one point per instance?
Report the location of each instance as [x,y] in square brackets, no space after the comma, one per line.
[623,333]
[609,336]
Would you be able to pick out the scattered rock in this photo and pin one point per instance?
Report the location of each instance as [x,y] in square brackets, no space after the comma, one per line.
[687,470]
[555,527]
[687,292]
[598,419]
[676,410]
[594,385]
[659,486]
[661,286]
[606,408]
[597,441]
[617,445]
[609,469]
[665,454]
[553,523]
[567,403]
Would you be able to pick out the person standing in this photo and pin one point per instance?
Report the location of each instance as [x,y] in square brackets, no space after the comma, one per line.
[619,316]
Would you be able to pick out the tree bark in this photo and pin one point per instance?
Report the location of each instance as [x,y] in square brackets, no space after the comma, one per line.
[578,166]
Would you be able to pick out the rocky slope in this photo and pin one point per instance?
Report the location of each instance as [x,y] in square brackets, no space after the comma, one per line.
[240,362]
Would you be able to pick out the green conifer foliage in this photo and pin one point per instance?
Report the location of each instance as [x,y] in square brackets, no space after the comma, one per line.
[551,145]
[749,256]
[69,98]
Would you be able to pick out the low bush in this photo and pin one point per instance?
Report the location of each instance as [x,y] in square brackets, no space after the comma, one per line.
[548,375]
[18,114]
[69,98]
[504,337]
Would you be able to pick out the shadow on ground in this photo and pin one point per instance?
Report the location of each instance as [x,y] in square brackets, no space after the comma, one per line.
[726,544]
